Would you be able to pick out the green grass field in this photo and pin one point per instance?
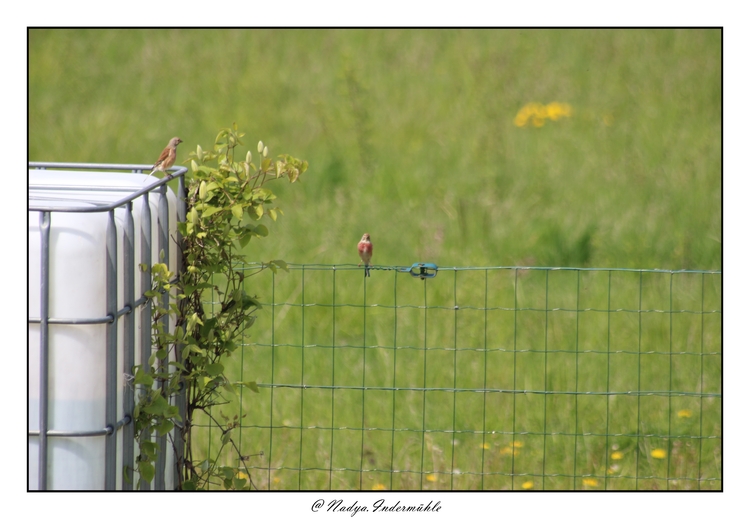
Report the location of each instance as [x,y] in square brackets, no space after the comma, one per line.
[413,136]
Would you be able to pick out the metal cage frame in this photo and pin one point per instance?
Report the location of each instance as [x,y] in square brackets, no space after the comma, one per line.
[111,315]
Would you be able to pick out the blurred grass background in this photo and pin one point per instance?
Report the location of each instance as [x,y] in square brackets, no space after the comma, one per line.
[410,136]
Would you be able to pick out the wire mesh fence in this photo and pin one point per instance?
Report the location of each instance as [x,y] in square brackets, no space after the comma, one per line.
[481,378]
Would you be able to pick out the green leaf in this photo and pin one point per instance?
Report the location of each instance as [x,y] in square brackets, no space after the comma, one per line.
[210,210]
[192,348]
[157,407]
[172,412]
[149,449]
[146,468]
[178,365]
[214,369]
[261,230]
[193,216]
[251,385]
[141,377]
[188,485]
[164,427]
[237,211]
[245,239]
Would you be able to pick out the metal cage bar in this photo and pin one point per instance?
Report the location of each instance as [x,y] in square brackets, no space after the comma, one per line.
[128,397]
[44,223]
[110,471]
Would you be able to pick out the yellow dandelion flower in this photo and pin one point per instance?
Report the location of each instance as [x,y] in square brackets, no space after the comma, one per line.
[537,113]
[538,110]
[522,117]
[527,485]
[506,451]
[378,486]
[659,454]
[486,446]
[591,482]
[617,455]
[684,413]
[517,444]
[529,111]
[241,475]
[555,111]
[431,477]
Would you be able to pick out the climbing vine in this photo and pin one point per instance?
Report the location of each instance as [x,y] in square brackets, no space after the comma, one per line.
[227,199]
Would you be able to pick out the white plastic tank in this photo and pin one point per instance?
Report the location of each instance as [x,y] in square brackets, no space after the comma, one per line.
[77,290]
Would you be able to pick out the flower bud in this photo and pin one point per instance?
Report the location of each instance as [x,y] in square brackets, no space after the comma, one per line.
[260,146]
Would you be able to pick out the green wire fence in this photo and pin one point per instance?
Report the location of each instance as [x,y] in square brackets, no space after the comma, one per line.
[481,378]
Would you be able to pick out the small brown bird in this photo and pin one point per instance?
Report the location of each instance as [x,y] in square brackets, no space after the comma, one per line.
[167,157]
[364,247]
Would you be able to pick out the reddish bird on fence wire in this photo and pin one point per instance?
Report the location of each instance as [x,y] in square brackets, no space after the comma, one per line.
[365,252]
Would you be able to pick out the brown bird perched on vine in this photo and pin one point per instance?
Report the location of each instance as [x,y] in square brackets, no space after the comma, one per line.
[167,157]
